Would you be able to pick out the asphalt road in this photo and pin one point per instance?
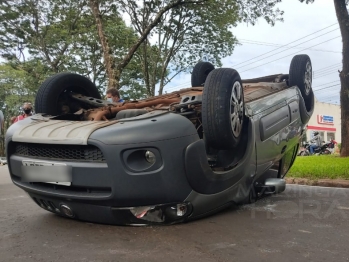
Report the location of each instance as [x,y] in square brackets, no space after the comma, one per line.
[302,224]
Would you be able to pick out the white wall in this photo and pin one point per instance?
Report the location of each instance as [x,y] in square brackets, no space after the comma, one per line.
[328,110]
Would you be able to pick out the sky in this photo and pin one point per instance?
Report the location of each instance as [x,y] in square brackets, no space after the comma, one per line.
[307,29]
[310,29]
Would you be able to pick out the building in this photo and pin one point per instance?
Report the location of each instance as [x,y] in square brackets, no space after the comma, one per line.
[327,120]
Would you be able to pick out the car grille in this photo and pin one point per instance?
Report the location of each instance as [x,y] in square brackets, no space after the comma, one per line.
[60,152]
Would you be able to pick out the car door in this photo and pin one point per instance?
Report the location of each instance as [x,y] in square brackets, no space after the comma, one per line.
[276,118]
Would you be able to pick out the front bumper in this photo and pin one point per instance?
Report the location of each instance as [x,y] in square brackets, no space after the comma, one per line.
[169,213]
[111,190]
[101,191]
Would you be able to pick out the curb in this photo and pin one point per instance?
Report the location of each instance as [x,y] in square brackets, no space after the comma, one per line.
[321,182]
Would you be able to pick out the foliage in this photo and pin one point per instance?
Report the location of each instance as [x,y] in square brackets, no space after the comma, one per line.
[250,11]
[320,167]
[44,29]
[62,34]
[15,89]
[189,33]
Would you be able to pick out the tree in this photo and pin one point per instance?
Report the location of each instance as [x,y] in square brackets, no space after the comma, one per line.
[62,35]
[186,31]
[41,32]
[44,29]
[114,67]
[16,87]
[343,21]
[191,32]
[182,37]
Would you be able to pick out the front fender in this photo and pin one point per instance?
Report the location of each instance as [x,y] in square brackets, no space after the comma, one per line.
[206,181]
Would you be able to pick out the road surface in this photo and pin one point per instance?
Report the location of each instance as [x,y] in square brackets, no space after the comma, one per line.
[302,224]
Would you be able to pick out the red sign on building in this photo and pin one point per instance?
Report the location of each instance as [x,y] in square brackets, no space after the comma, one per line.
[325,120]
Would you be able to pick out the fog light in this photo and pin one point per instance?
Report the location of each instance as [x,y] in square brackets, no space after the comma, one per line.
[178,211]
[67,211]
[150,157]
[181,209]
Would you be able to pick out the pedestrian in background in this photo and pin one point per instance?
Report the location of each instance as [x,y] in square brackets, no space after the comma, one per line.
[316,142]
[27,109]
[113,95]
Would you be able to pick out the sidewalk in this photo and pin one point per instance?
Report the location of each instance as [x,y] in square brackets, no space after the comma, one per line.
[321,182]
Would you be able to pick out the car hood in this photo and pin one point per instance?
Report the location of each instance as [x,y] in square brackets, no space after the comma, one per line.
[38,129]
[153,126]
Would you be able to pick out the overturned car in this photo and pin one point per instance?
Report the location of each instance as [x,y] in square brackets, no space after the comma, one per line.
[166,159]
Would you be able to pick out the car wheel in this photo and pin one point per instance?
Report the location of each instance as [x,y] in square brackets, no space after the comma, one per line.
[223,108]
[51,96]
[300,75]
[200,73]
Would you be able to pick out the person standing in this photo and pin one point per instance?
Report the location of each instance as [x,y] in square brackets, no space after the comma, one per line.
[316,142]
[113,95]
[27,111]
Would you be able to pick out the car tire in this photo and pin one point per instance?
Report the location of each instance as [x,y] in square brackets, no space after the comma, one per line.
[223,109]
[50,93]
[300,75]
[200,73]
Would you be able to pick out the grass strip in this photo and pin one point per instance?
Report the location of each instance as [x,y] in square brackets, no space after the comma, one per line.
[320,167]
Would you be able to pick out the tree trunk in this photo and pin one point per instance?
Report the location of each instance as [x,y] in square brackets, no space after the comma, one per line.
[109,61]
[127,58]
[146,68]
[343,20]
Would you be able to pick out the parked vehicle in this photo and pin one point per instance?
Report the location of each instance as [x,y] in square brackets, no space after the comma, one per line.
[165,159]
[332,145]
[323,150]
[3,161]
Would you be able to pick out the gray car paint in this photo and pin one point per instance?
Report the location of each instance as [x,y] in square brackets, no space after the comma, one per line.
[171,134]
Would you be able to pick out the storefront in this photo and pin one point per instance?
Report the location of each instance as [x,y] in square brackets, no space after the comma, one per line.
[326,119]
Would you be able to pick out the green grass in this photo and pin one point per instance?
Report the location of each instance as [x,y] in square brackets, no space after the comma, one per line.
[320,167]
